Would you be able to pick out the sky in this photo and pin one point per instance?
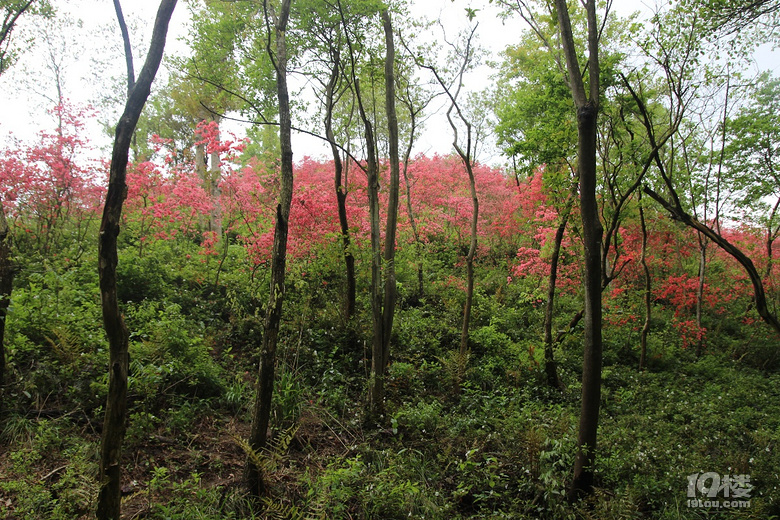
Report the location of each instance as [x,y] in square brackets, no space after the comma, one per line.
[91,57]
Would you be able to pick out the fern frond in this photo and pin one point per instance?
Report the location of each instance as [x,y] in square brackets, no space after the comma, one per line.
[253,455]
[281,511]
[269,457]
[64,343]
[456,365]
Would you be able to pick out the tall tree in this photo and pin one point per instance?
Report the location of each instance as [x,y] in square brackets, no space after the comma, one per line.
[325,40]
[415,103]
[390,289]
[261,414]
[109,497]
[332,94]
[586,96]
[587,104]
[464,146]
[535,126]
[384,292]
[383,284]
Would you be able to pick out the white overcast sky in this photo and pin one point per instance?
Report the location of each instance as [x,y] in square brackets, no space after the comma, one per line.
[21,88]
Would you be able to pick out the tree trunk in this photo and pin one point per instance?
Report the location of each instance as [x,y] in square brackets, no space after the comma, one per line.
[550,366]
[771,235]
[381,355]
[409,210]
[388,308]
[376,382]
[213,190]
[466,158]
[200,157]
[591,367]
[700,292]
[120,18]
[592,231]
[464,333]
[109,497]
[341,189]
[201,163]
[407,98]
[647,293]
[262,408]
[346,242]
[6,286]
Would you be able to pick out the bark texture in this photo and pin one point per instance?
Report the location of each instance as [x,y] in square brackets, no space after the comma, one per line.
[120,18]
[6,286]
[582,483]
[550,366]
[381,350]
[340,186]
[647,292]
[592,231]
[109,497]
[261,414]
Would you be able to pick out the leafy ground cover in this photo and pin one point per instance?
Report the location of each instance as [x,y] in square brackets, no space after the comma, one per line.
[481,437]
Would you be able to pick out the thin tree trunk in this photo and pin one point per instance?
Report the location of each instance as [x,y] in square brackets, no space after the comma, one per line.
[120,18]
[6,287]
[109,497]
[464,333]
[388,308]
[200,157]
[647,293]
[550,366]
[592,231]
[382,357]
[700,291]
[346,242]
[261,415]
[409,210]
[201,163]
[213,190]
[466,158]
[376,381]
[591,366]
[341,190]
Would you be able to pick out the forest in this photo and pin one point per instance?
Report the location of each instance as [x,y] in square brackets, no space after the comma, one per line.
[571,312]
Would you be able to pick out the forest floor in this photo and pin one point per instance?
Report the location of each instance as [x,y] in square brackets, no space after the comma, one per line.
[501,452]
